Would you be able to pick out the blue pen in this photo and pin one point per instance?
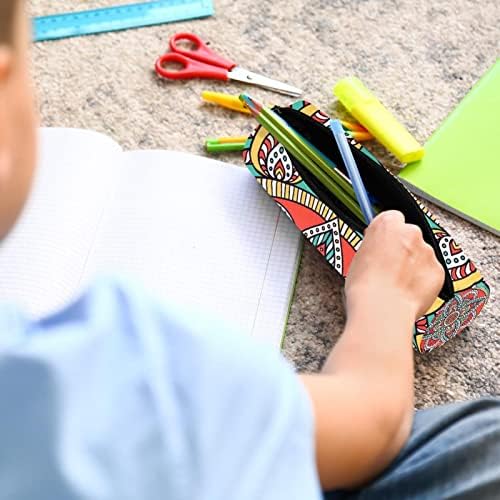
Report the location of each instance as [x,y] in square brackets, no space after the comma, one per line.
[352,170]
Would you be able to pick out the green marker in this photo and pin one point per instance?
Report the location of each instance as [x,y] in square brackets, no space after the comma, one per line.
[224,144]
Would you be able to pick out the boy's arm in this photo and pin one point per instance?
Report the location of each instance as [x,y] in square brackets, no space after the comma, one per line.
[363,399]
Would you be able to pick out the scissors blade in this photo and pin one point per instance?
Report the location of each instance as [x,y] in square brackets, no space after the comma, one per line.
[245,76]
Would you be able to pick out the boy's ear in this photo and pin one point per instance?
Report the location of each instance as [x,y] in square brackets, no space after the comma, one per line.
[6,60]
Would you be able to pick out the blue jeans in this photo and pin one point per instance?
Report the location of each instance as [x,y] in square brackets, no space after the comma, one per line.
[453,452]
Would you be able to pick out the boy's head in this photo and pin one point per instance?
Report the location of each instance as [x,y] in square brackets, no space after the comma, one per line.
[17,113]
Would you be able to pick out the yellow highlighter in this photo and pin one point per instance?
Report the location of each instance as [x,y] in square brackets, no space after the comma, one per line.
[370,112]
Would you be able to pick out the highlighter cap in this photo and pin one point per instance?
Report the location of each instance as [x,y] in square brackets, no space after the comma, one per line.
[351,92]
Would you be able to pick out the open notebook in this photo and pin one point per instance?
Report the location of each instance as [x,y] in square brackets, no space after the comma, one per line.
[194,231]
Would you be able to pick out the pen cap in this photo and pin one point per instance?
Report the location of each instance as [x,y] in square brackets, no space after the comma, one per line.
[225,100]
[378,120]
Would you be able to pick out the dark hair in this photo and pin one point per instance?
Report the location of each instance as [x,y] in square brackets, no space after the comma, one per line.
[7,19]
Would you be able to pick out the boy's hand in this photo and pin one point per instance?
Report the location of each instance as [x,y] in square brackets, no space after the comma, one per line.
[394,265]
[363,400]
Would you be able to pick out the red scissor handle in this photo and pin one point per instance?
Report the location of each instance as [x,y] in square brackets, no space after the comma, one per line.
[200,52]
[190,68]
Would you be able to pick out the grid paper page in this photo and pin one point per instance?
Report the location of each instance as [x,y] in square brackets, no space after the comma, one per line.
[42,260]
[279,282]
[201,234]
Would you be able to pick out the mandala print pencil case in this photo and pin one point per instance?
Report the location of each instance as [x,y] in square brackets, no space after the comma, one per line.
[337,234]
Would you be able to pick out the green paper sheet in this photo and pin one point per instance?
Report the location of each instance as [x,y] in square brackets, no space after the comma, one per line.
[461,167]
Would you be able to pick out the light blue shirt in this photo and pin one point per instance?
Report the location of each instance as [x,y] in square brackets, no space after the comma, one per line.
[120,397]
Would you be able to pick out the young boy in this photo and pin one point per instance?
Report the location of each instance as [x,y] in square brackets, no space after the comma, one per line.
[118,397]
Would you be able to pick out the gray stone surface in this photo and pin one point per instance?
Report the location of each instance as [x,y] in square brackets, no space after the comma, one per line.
[420,57]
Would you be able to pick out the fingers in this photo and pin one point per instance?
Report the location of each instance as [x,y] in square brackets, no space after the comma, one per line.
[436,270]
[388,219]
[414,234]
[391,216]
[395,260]
[397,239]
[394,221]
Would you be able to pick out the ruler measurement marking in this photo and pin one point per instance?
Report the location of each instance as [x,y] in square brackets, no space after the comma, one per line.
[118,17]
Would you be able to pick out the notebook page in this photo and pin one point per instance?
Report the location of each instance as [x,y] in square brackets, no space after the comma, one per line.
[202,234]
[279,281]
[42,260]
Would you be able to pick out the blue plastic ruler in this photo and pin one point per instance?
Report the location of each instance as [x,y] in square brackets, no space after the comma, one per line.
[120,17]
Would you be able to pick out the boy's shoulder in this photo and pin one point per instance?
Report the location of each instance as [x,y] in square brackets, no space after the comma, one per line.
[106,304]
[120,310]
[151,388]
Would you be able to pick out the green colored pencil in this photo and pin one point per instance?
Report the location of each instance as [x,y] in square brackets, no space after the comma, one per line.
[319,158]
[309,156]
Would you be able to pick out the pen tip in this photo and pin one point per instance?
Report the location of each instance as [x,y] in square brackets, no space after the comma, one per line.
[252,104]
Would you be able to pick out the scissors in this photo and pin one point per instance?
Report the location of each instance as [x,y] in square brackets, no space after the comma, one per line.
[202,62]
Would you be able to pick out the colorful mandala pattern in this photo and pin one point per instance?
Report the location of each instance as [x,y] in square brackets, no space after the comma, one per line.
[454,316]
[329,234]
[336,241]
[320,117]
[333,238]
[274,161]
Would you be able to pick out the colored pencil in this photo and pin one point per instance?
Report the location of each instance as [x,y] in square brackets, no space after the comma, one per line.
[309,157]
[301,142]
